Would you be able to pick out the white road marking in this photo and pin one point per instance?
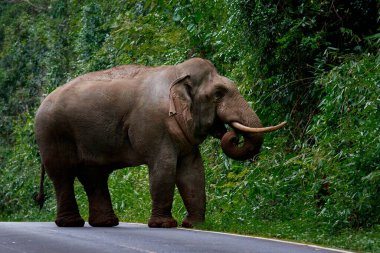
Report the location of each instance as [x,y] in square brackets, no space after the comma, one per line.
[272,240]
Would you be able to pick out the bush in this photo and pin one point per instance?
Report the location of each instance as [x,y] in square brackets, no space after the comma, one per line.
[20,177]
[347,136]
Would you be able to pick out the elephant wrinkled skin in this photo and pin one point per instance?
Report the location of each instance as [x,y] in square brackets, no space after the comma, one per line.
[132,115]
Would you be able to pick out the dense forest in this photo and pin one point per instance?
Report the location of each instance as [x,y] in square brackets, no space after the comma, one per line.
[315,64]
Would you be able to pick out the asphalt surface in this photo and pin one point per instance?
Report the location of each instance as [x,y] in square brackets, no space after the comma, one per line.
[45,237]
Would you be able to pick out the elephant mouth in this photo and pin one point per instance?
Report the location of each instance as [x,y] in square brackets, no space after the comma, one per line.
[218,129]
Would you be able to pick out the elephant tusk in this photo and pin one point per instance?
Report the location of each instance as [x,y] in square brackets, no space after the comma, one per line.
[257,129]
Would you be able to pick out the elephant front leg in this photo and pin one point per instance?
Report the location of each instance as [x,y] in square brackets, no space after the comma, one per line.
[191,185]
[162,184]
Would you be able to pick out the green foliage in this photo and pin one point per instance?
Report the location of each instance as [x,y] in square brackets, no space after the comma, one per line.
[314,63]
[132,194]
[347,135]
[294,41]
[20,177]
[147,39]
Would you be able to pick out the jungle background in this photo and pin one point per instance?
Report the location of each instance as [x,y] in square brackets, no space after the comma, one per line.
[315,64]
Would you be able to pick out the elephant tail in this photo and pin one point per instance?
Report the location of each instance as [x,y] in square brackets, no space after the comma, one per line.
[40,197]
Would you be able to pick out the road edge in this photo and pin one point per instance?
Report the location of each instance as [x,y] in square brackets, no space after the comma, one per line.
[259,238]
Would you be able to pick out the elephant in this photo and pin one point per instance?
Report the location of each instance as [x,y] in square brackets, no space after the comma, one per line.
[132,115]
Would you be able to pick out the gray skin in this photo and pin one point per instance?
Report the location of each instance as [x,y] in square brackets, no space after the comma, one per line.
[132,115]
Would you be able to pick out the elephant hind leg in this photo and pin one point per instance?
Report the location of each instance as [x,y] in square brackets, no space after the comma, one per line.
[59,158]
[95,183]
[67,208]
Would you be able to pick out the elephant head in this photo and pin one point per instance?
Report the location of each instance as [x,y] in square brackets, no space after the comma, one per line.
[202,101]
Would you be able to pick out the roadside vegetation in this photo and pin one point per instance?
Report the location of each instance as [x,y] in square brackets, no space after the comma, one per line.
[315,64]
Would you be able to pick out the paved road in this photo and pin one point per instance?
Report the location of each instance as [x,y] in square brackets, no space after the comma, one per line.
[45,237]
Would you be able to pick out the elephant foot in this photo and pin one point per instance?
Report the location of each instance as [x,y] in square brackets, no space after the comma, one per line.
[69,221]
[103,220]
[162,222]
[190,222]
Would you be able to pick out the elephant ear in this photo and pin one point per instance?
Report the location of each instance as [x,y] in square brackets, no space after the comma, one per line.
[181,105]
[192,108]
[180,97]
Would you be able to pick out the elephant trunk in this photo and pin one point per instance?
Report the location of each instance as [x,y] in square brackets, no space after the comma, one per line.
[249,149]
[247,123]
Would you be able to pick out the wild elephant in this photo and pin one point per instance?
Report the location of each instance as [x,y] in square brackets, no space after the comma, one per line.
[132,115]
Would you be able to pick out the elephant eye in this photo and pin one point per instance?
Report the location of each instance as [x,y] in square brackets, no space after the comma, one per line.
[219,94]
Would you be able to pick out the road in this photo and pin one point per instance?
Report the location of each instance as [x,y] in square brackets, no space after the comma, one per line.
[45,237]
